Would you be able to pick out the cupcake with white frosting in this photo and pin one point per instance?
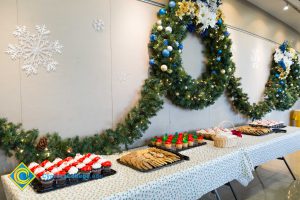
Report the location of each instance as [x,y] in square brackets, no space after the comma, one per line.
[56,161]
[47,179]
[72,174]
[96,170]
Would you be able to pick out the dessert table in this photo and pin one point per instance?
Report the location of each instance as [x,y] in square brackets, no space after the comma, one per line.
[208,168]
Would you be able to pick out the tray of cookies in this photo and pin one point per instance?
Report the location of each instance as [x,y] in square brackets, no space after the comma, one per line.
[267,123]
[177,142]
[61,173]
[150,159]
[254,131]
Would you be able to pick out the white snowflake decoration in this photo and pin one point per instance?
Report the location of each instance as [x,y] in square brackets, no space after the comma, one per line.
[98,25]
[35,49]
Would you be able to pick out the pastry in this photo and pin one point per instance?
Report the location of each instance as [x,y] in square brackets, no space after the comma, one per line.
[96,170]
[56,160]
[190,141]
[185,143]
[72,174]
[168,144]
[158,142]
[47,179]
[32,166]
[200,139]
[85,172]
[39,171]
[106,166]
[179,144]
[60,178]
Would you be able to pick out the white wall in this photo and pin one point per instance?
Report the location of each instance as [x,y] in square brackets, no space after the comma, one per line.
[100,73]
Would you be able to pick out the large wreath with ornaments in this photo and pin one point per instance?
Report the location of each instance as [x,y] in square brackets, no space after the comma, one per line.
[168,78]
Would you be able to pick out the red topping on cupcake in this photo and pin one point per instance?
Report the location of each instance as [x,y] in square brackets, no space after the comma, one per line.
[40,174]
[68,159]
[34,168]
[67,168]
[74,163]
[179,142]
[50,168]
[86,168]
[60,163]
[81,159]
[200,137]
[96,159]
[44,163]
[61,173]
[106,164]
[159,140]
[91,163]
[88,155]
[168,142]
[190,139]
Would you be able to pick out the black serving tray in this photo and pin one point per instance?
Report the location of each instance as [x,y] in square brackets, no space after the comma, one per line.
[277,126]
[38,187]
[177,150]
[274,130]
[182,158]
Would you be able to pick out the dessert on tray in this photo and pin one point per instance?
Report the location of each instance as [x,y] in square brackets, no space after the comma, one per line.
[267,123]
[148,159]
[63,172]
[257,131]
[178,141]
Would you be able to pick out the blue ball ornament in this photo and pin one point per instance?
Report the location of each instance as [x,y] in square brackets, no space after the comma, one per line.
[180,46]
[279,90]
[226,33]
[165,53]
[152,62]
[153,37]
[277,75]
[220,21]
[172,4]
[218,59]
[283,46]
[281,82]
[166,42]
[220,51]
[162,11]
[214,72]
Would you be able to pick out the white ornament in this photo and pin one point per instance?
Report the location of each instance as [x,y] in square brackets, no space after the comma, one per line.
[98,25]
[229,69]
[180,51]
[169,29]
[164,68]
[223,71]
[159,22]
[170,48]
[160,28]
[177,93]
[35,49]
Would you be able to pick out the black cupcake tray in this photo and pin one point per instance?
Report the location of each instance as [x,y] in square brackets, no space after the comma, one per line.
[39,188]
[173,149]
[182,159]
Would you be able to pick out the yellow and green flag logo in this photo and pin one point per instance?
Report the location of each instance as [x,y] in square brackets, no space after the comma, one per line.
[22,176]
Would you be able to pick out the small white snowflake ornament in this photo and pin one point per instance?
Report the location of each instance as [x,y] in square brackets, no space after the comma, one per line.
[98,25]
[35,49]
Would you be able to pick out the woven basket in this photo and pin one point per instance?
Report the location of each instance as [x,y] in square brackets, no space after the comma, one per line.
[223,141]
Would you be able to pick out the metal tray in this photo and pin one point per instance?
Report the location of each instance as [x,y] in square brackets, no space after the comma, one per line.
[178,150]
[38,187]
[182,158]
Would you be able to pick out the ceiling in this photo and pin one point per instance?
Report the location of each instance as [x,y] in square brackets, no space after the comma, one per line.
[290,17]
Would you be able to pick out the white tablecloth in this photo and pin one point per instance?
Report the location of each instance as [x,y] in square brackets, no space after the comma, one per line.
[208,168]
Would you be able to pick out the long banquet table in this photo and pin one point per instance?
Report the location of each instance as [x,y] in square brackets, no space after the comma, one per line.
[208,168]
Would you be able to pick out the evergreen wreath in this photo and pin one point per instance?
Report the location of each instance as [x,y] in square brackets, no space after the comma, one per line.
[168,78]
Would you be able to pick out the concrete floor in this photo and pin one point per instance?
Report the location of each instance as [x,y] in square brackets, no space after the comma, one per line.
[278,184]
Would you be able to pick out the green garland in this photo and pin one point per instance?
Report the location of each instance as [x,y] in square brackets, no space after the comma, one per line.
[282,89]
[168,78]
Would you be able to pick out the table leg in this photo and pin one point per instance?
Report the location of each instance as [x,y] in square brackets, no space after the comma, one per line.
[217,194]
[287,165]
[231,188]
[259,179]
